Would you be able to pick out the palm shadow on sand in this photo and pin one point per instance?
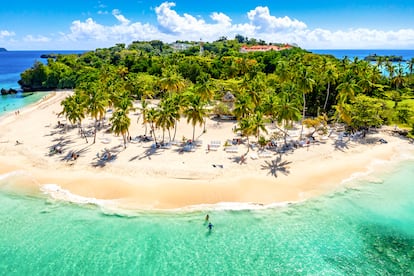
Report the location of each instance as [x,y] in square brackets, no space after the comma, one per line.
[277,165]
[341,145]
[146,154]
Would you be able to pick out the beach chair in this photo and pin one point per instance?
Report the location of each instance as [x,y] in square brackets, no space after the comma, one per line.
[232,149]
[265,154]
[215,145]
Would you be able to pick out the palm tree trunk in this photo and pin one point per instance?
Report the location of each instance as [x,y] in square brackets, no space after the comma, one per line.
[175,130]
[96,130]
[248,145]
[82,133]
[327,96]
[193,132]
[303,115]
[124,137]
[153,132]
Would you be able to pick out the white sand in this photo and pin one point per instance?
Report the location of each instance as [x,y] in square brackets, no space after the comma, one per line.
[168,178]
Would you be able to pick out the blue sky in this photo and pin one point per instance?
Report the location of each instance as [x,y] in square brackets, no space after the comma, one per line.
[90,24]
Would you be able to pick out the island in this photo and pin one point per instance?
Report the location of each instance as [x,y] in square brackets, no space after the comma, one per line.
[3,50]
[375,57]
[48,56]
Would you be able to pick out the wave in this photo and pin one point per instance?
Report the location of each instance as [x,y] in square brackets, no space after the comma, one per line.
[7,175]
[118,208]
[375,170]
[56,192]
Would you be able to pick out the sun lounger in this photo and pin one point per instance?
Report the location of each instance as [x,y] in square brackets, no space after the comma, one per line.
[265,154]
[253,156]
[188,148]
[198,143]
[215,145]
[105,140]
[232,149]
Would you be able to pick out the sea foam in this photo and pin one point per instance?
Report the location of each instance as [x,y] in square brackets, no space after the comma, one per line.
[58,193]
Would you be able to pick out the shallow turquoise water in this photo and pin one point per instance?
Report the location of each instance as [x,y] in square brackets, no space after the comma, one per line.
[11,103]
[364,230]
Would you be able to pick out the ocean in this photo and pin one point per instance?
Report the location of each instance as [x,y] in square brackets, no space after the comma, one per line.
[364,228]
[12,64]
[361,54]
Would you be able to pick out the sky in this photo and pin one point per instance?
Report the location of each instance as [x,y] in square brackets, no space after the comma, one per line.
[91,24]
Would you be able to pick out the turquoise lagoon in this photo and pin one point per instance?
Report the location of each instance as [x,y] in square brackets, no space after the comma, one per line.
[11,103]
[364,228]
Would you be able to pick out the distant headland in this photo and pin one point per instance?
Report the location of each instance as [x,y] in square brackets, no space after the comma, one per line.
[3,50]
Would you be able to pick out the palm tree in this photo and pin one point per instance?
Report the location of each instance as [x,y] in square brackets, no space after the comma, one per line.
[176,104]
[120,123]
[245,126]
[399,79]
[305,84]
[286,109]
[346,91]
[205,89]
[97,103]
[144,109]
[74,109]
[195,111]
[410,65]
[172,81]
[243,106]
[166,116]
[258,123]
[330,76]
[151,116]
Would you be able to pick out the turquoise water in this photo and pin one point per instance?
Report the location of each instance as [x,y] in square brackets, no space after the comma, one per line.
[406,54]
[11,103]
[365,229]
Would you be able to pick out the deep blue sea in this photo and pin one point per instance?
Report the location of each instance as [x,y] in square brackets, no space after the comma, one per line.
[361,54]
[12,64]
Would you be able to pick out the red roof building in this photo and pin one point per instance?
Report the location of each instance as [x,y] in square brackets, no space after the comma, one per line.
[263,48]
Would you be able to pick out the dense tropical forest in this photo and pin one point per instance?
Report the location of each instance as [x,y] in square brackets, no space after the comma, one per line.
[196,79]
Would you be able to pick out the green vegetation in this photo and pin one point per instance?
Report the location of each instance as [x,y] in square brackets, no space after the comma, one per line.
[191,79]
[375,57]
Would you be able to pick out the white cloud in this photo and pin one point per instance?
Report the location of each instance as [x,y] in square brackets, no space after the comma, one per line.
[357,38]
[260,24]
[120,17]
[6,34]
[264,22]
[172,23]
[221,18]
[36,39]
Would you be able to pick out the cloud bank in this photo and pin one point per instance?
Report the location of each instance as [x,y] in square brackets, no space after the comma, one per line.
[260,24]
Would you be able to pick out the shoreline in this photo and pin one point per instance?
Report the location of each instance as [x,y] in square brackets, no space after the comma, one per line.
[170,180]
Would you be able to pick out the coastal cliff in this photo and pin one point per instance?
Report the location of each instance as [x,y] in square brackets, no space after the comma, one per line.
[3,50]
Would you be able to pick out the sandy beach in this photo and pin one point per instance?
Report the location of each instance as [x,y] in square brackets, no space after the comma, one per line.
[141,177]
